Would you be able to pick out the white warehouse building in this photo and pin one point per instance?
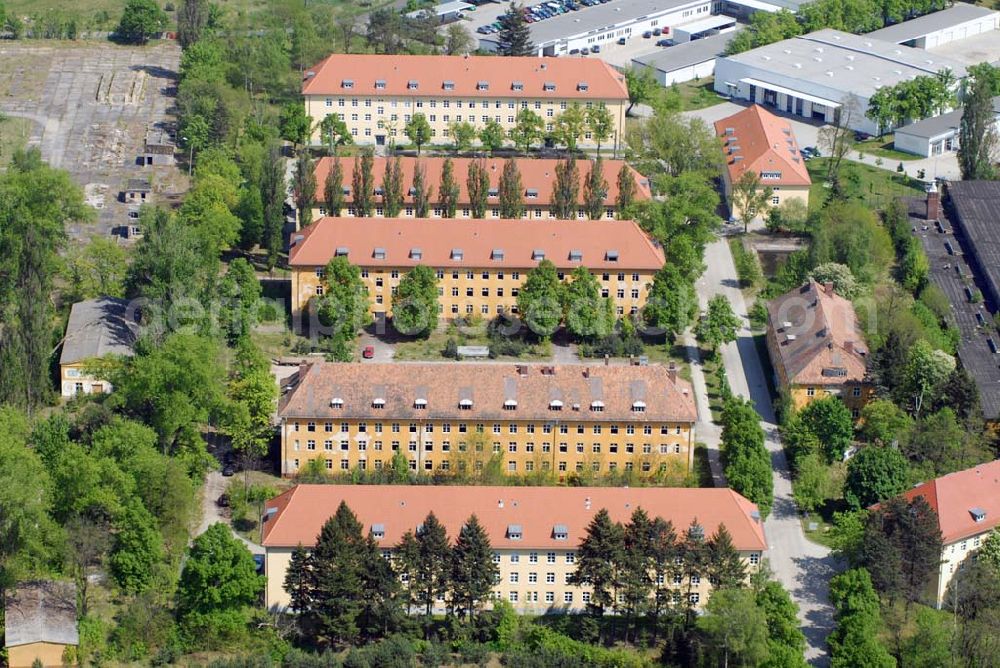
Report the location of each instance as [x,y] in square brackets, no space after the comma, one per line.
[936,29]
[607,23]
[814,75]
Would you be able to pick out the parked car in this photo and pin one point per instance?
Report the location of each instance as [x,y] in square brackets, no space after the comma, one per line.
[368,352]
[584,51]
[222,501]
[258,562]
[228,471]
[657,32]
[596,48]
[647,34]
[663,42]
[621,40]
[574,52]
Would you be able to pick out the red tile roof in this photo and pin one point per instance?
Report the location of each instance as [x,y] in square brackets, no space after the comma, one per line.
[300,513]
[957,496]
[538,174]
[822,343]
[489,386]
[375,74]
[755,139]
[598,241]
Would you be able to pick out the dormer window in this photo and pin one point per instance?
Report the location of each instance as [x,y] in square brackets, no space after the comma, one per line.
[538,255]
[549,86]
[347,83]
[531,193]
[378,531]
[517,85]
[482,85]
[457,254]
[583,86]
[770,175]
[510,405]
[493,192]
[420,404]
[379,254]
[497,254]
[342,251]
[978,514]
[638,406]
[576,256]
[465,404]
[380,84]
[560,532]
[336,402]
[448,85]
[611,256]
[346,190]
[597,406]
[378,403]
[514,532]
[379,190]
[555,405]
[416,254]
[412,84]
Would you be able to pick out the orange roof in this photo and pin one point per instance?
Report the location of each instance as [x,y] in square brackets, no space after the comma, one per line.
[451,242]
[299,514]
[819,341]
[958,498]
[465,76]
[755,139]
[489,387]
[536,174]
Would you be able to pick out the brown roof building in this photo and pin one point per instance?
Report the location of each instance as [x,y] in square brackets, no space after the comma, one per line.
[967,504]
[535,531]
[756,140]
[537,179]
[816,346]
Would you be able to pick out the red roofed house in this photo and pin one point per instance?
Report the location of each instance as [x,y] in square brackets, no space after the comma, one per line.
[376,95]
[537,179]
[967,504]
[534,531]
[756,140]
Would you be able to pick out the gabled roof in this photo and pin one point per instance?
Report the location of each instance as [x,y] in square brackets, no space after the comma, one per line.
[41,611]
[299,514]
[958,498]
[425,76]
[599,241]
[819,341]
[99,327]
[756,140]
[538,174]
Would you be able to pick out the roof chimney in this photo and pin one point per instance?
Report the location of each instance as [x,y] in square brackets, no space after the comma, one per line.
[828,287]
[672,372]
[933,203]
[849,346]
[586,503]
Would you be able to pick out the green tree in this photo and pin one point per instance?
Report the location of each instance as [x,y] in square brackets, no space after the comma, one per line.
[241,292]
[344,306]
[458,41]
[747,462]
[254,399]
[421,192]
[491,136]
[735,627]
[830,421]
[813,485]
[295,124]
[137,549]
[334,132]
[473,572]
[141,20]
[626,191]
[528,130]
[250,211]
[511,191]
[363,184]
[750,198]
[719,325]
[600,124]
[670,143]
[883,422]
[989,552]
[566,190]
[588,315]
[595,190]
[840,275]
[902,549]
[424,557]
[785,642]
[192,21]
[514,38]
[299,583]
[931,645]
[599,552]
[304,186]
[539,301]
[926,372]
[219,575]
[477,184]
[640,542]
[273,192]
[333,189]
[448,190]
[338,565]
[672,303]
[392,188]
[415,304]
[641,87]
[570,126]
[418,131]
[97,269]
[873,475]
[726,569]
[463,133]
[856,609]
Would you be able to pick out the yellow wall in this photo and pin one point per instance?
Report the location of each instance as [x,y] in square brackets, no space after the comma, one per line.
[779,195]
[531,597]
[74,380]
[369,116]
[952,556]
[629,294]
[23,656]
[436,445]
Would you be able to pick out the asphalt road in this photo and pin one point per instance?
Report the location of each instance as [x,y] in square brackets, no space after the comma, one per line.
[803,567]
[214,486]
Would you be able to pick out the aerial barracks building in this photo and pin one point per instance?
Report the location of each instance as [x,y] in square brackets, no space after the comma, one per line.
[537,180]
[377,95]
[755,140]
[480,264]
[534,531]
[456,417]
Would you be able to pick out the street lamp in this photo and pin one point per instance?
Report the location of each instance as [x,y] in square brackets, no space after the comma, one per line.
[190,154]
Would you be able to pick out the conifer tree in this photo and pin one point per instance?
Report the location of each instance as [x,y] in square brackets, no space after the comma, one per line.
[477,184]
[515,35]
[333,189]
[421,192]
[511,191]
[424,556]
[449,190]
[566,191]
[694,557]
[595,190]
[363,184]
[338,569]
[725,568]
[299,584]
[381,611]
[626,190]
[600,553]
[392,188]
[638,566]
[472,569]
[304,186]
[665,550]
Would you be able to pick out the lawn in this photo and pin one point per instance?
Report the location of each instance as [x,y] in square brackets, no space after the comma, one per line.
[14,133]
[883,147]
[691,95]
[432,348]
[878,186]
[712,366]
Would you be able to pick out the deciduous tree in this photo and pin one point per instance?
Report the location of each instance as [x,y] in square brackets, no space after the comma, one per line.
[418,131]
[421,192]
[392,188]
[304,186]
[747,462]
[750,197]
[641,86]
[448,190]
[528,130]
[719,325]
[463,133]
[491,136]
[595,190]
[363,184]
[626,191]
[539,301]
[511,191]
[570,126]
[672,303]
[977,132]
[343,307]
[566,189]
[333,189]
[600,124]
[334,133]
[415,304]
[588,315]
[141,21]
[875,474]
[477,184]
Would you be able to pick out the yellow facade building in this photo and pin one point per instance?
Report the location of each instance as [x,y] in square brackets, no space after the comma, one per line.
[376,95]
[97,328]
[480,265]
[40,624]
[534,531]
[817,348]
[562,420]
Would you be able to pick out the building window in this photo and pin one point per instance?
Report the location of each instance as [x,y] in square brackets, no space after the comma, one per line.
[568,597]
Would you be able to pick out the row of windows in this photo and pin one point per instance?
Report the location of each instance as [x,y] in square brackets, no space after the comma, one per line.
[379,103]
[811,392]
[568,597]
[512,447]
[466,212]
[471,275]
[512,467]
[480,428]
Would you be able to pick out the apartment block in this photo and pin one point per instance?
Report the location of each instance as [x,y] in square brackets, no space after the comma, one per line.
[537,179]
[534,531]
[457,417]
[377,95]
[480,265]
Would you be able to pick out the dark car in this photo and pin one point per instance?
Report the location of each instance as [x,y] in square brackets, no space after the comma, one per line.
[647,34]
[596,48]
[584,51]
[258,562]
[222,501]
[228,471]
[621,40]
[663,42]
[657,32]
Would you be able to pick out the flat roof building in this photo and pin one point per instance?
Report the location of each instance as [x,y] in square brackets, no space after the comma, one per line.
[537,180]
[815,75]
[957,22]
[937,135]
[376,95]
[687,61]
[534,531]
